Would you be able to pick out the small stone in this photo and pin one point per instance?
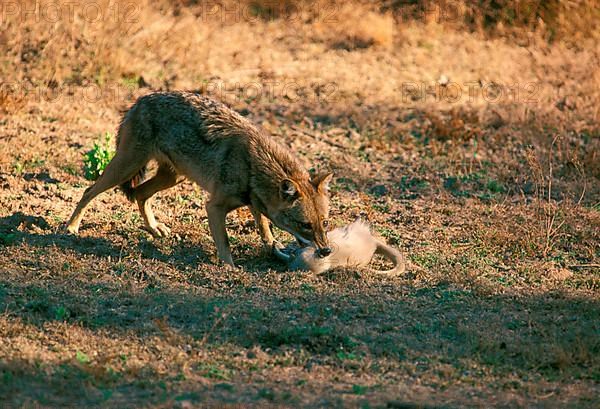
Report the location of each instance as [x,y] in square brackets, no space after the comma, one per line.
[443,80]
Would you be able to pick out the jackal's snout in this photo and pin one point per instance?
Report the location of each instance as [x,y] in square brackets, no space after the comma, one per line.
[321,242]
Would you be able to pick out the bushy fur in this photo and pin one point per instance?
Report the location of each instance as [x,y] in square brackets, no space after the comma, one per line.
[197,137]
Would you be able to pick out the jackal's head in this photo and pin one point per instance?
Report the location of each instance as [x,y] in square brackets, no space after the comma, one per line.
[304,210]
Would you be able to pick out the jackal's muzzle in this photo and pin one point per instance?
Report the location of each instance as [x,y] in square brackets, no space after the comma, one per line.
[322,244]
[323,252]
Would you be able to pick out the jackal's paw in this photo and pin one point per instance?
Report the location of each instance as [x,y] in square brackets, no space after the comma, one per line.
[233,268]
[229,265]
[268,249]
[160,230]
[68,229]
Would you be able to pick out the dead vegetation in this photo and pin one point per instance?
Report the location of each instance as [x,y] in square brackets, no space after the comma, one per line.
[470,143]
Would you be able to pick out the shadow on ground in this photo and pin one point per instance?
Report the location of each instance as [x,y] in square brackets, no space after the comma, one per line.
[338,319]
[35,232]
[382,321]
[549,337]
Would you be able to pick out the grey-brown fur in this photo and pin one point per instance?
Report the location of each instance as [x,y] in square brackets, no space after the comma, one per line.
[194,136]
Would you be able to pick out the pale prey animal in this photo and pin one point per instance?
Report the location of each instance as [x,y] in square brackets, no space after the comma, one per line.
[352,246]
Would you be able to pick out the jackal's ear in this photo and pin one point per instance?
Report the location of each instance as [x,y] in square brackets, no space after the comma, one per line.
[288,190]
[321,182]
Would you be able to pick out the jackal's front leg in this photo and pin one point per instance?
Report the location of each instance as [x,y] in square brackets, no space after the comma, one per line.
[216,223]
[264,229]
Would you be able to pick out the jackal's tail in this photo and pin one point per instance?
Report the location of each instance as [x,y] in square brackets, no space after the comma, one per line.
[128,187]
[392,255]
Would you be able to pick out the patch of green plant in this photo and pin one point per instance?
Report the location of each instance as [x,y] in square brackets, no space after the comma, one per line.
[71,169]
[96,159]
[191,396]
[494,186]
[382,208]
[426,260]
[419,328]
[214,372]
[452,333]
[288,396]
[6,239]
[413,184]
[307,288]
[266,393]
[258,314]
[106,393]
[364,155]
[345,184]
[101,76]
[71,373]
[346,356]
[36,163]
[392,236]
[453,184]
[7,377]
[225,386]
[314,338]
[359,389]
[131,81]
[82,357]
[40,306]
[476,184]
[19,167]
[182,199]
[119,268]
[61,313]
[515,324]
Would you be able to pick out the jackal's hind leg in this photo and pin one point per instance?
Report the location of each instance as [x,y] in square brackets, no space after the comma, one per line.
[165,178]
[120,169]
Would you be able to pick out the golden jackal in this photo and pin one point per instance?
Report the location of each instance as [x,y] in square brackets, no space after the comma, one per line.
[223,152]
[352,246]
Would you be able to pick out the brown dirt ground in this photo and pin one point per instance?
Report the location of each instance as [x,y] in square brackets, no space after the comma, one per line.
[494,198]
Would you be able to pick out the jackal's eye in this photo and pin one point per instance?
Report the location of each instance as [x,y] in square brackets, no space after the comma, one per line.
[306,226]
[325,223]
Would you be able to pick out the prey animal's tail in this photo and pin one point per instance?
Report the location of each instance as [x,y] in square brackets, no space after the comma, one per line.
[128,187]
[392,255]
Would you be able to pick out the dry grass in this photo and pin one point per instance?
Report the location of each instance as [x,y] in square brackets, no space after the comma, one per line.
[354,26]
[494,197]
[574,21]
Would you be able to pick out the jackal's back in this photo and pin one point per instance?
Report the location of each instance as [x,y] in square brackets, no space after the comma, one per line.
[186,115]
